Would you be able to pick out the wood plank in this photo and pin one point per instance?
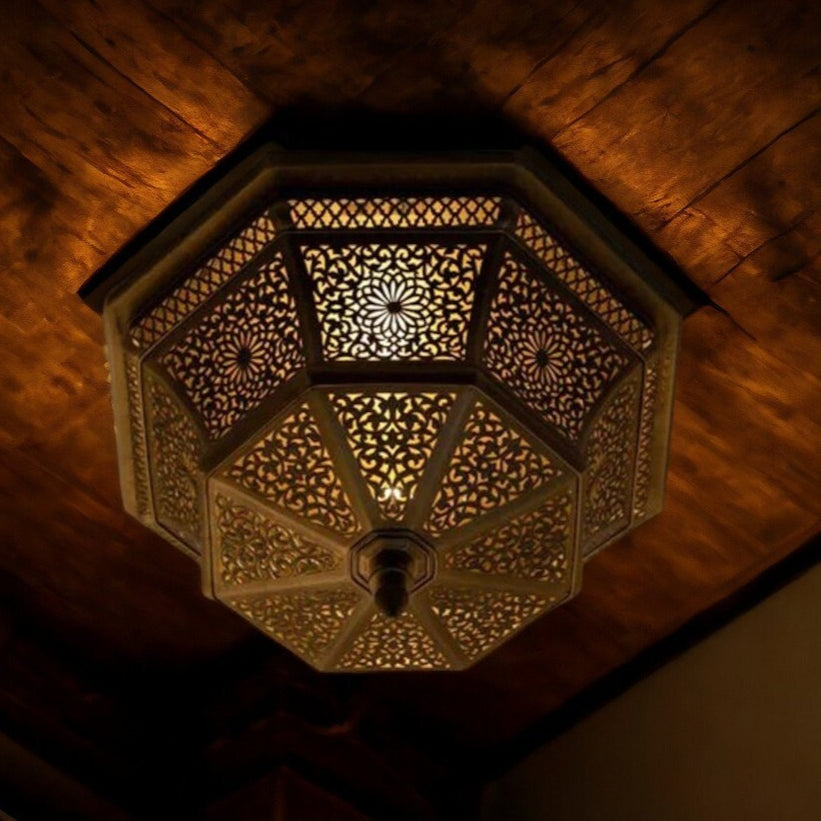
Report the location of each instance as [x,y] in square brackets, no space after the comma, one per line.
[772,198]
[739,80]
[314,54]
[151,52]
[613,43]
[111,150]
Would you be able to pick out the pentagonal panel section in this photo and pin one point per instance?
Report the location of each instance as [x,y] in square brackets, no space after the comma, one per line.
[392,435]
[291,468]
[241,348]
[175,451]
[401,643]
[308,622]
[393,301]
[583,282]
[355,213]
[538,545]
[493,464]
[249,546]
[547,350]
[478,619]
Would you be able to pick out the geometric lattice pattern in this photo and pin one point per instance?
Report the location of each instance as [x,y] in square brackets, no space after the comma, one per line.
[480,619]
[546,350]
[292,468]
[391,412]
[306,621]
[608,479]
[252,547]
[204,282]
[395,212]
[240,351]
[389,644]
[392,436]
[393,301]
[492,465]
[555,257]
[175,475]
[534,545]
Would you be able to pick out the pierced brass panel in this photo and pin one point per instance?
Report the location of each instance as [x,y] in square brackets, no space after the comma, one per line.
[138,441]
[307,622]
[406,302]
[535,545]
[401,643]
[292,468]
[395,212]
[240,350]
[608,479]
[203,283]
[547,351]
[176,451]
[493,464]
[646,430]
[583,283]
[251,547]
[480,619]
[392,436]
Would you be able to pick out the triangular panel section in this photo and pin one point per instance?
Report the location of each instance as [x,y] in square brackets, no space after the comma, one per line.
[252,547]
[480,619]
[392,435]
[305,621]
[400,643]
[537,545]
[492,465]
[292,468]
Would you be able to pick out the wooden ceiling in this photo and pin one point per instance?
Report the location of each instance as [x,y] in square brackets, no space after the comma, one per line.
[698,119]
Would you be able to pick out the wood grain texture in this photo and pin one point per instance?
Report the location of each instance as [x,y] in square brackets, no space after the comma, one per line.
[700,120]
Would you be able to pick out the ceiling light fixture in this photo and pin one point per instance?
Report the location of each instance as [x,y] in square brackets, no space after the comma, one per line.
[390,404]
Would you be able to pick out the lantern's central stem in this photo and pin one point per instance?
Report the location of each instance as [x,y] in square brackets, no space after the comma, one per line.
[392,564]
[390,580]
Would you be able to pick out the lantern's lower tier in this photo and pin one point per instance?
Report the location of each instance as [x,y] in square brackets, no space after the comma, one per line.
[493,522]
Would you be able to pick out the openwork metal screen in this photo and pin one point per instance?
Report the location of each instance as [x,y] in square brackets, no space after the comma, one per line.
[323,384]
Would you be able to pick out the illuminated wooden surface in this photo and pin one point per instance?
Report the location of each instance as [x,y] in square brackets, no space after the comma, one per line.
[700,122]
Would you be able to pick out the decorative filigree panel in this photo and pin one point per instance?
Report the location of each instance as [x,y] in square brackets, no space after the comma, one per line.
[645,448]
[253,547]
[546,351]
[478,619]
[395,212]
[392,436]
[241,350]
[136,422]
[610,454]
[292,468]
[203,283]
[393,644]
[583,283]
[393,301]
[536,545]
[175,456]
[493,464]
[306,621]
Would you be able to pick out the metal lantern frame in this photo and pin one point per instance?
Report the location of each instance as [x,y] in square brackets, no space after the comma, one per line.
[253,395]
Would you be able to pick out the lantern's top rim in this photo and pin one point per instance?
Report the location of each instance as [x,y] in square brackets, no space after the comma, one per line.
[522,175]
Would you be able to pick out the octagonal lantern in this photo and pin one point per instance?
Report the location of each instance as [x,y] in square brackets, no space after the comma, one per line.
[390,404]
